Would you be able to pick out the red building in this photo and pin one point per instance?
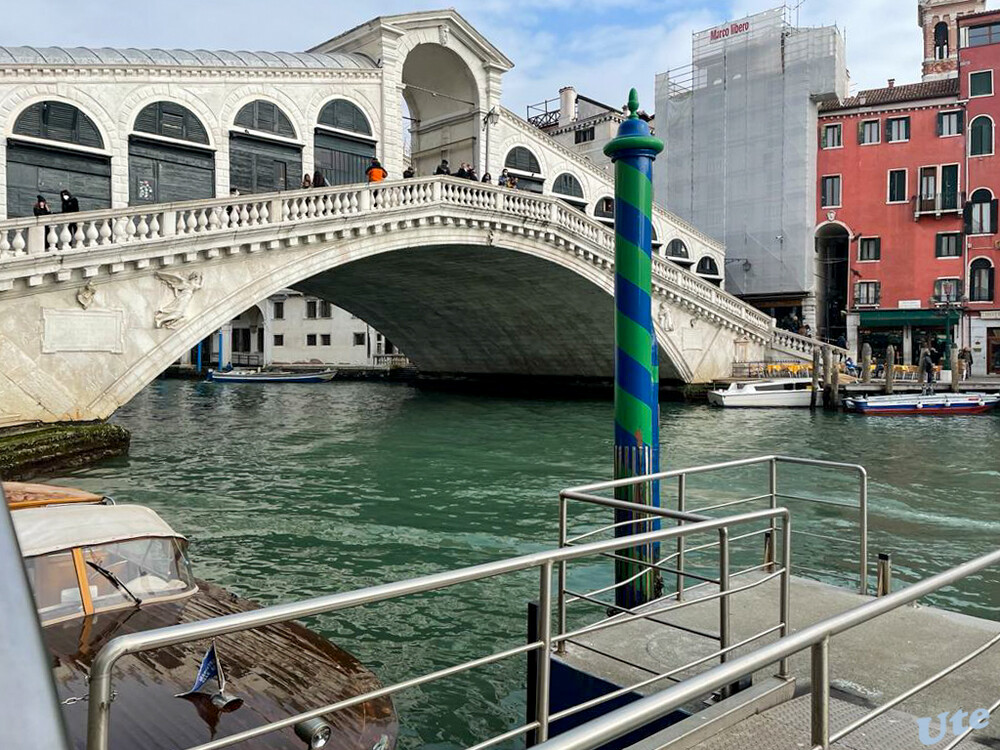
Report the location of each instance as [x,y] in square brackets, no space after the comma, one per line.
[907,242]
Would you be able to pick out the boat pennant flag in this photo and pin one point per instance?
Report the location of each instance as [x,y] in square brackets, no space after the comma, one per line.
[211,668]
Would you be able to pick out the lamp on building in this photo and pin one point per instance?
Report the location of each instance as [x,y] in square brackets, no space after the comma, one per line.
[490,118]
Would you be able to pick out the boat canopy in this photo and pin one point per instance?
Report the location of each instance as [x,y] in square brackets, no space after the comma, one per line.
[44,530]
[25,495]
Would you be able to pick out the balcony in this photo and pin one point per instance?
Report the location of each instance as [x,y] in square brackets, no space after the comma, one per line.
[937,204]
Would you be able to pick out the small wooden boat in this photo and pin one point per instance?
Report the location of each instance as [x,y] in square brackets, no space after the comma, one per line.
[930,404]
[776,392]
[270,376]
[100,570]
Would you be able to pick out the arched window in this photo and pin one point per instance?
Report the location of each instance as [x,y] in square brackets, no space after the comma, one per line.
[604,209]
[981,213]
[981,277]
[677,249]
[343,156]
[266,117]
[343,115]
[941,41]
[707,266]
[58,121]
[981,136]
[567,187]
[34,169]
[523,160]
[162,171]
[171,121]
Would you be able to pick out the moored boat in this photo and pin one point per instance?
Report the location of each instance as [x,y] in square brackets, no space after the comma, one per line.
[930,404]
[776,392]
[100,570]
[270,376]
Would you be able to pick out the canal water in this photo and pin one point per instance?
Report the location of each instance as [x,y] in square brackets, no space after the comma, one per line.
[292,491]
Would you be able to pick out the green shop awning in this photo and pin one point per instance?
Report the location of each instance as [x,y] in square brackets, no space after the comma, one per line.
[891,318]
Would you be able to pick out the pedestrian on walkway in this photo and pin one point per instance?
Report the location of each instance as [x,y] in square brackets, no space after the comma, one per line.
[965,357]
[41,207]
[927,367]
[376,172]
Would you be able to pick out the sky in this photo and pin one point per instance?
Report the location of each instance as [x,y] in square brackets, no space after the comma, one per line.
[602,47]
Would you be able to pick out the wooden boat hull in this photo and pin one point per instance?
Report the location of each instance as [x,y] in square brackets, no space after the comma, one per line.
[904,405]
[276,671]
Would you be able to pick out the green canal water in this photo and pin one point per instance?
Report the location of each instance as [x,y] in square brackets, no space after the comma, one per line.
[289,492]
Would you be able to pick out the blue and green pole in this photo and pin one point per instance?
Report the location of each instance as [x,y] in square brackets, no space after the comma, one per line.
[636,369]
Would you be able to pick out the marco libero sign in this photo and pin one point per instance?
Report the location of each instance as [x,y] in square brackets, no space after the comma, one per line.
[733,29]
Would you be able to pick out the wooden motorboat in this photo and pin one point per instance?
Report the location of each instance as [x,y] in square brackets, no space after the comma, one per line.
[100,570]
[776,392]
[929,404]
[270,376]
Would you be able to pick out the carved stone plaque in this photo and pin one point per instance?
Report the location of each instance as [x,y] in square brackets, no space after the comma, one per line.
[83,331]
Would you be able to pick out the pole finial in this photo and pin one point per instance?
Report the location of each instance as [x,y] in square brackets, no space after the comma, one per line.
[633,103]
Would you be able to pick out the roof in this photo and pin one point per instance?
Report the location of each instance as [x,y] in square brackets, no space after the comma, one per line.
[909,92]
[43,530]
[977,17]
[131,57]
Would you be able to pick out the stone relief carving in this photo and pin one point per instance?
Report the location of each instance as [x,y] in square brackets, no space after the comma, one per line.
[86,296]
[443,32]
[665,318]
[182,289]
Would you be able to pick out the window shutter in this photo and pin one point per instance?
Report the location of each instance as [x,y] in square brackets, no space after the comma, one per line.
[888,131]
[967,218]
[878,292]
[961,121]
[861,132]
[822,136]
[906,127]
[940,124]
[993,215]
[857,292]
[878,248]
[823,188]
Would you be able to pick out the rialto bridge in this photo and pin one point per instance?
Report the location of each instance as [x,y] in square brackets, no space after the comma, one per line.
[463,277]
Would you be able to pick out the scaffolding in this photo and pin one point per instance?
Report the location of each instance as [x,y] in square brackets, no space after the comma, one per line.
[739,124]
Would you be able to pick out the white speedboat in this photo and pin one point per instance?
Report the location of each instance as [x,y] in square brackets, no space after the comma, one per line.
[760,393]
[270,376]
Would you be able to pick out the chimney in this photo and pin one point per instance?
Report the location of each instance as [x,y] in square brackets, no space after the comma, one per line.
[892,83]
[567,105]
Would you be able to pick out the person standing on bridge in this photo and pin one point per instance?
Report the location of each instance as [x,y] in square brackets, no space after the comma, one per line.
[70,205]
[443,168]
[307,182]
[408,173]
[462,171]
[318,179]
[41,207]
[376,172]
[487,178]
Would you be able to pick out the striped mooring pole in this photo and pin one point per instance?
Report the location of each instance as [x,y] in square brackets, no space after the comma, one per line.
[637,412]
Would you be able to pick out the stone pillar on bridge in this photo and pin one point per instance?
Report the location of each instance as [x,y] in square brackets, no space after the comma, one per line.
[636,368]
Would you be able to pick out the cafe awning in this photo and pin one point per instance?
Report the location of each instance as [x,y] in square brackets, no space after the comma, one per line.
[894,318]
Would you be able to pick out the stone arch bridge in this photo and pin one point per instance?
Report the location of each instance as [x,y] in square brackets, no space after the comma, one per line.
[465,277]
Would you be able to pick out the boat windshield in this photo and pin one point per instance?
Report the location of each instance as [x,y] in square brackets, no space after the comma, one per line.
[149,568]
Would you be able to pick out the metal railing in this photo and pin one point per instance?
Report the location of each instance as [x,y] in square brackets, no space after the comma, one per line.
[816,637]
[544,563]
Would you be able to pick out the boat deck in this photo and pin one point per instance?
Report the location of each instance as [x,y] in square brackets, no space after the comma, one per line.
[869,665]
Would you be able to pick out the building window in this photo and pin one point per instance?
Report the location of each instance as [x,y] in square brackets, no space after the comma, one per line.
[869,132]
[897,129]
[359,339]
[941,41]
[938,189]
[311,308]
[584,136]
[870,248]
[831,192]
[833,136]
[981,83]
[946,290]
[947,245]
[279,339]
[867,293]
[980,36]
[310,339]
[325,339]
[897,186]
[981,278]
[981,136]
[981,213]
[950,123]
[279,310]
[677,249]
[325,309]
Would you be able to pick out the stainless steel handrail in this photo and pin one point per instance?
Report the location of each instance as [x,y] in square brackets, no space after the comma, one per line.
[99,709]
[617,723]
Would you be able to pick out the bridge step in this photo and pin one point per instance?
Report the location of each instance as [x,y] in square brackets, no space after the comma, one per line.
[720,716]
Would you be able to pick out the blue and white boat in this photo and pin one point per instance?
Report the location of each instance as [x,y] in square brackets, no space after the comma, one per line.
[930,404]
[270,376]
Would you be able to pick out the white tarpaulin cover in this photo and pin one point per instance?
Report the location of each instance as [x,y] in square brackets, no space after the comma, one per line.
[44,530]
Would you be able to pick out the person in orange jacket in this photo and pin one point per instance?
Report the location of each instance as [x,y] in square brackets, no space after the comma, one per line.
[376,172]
